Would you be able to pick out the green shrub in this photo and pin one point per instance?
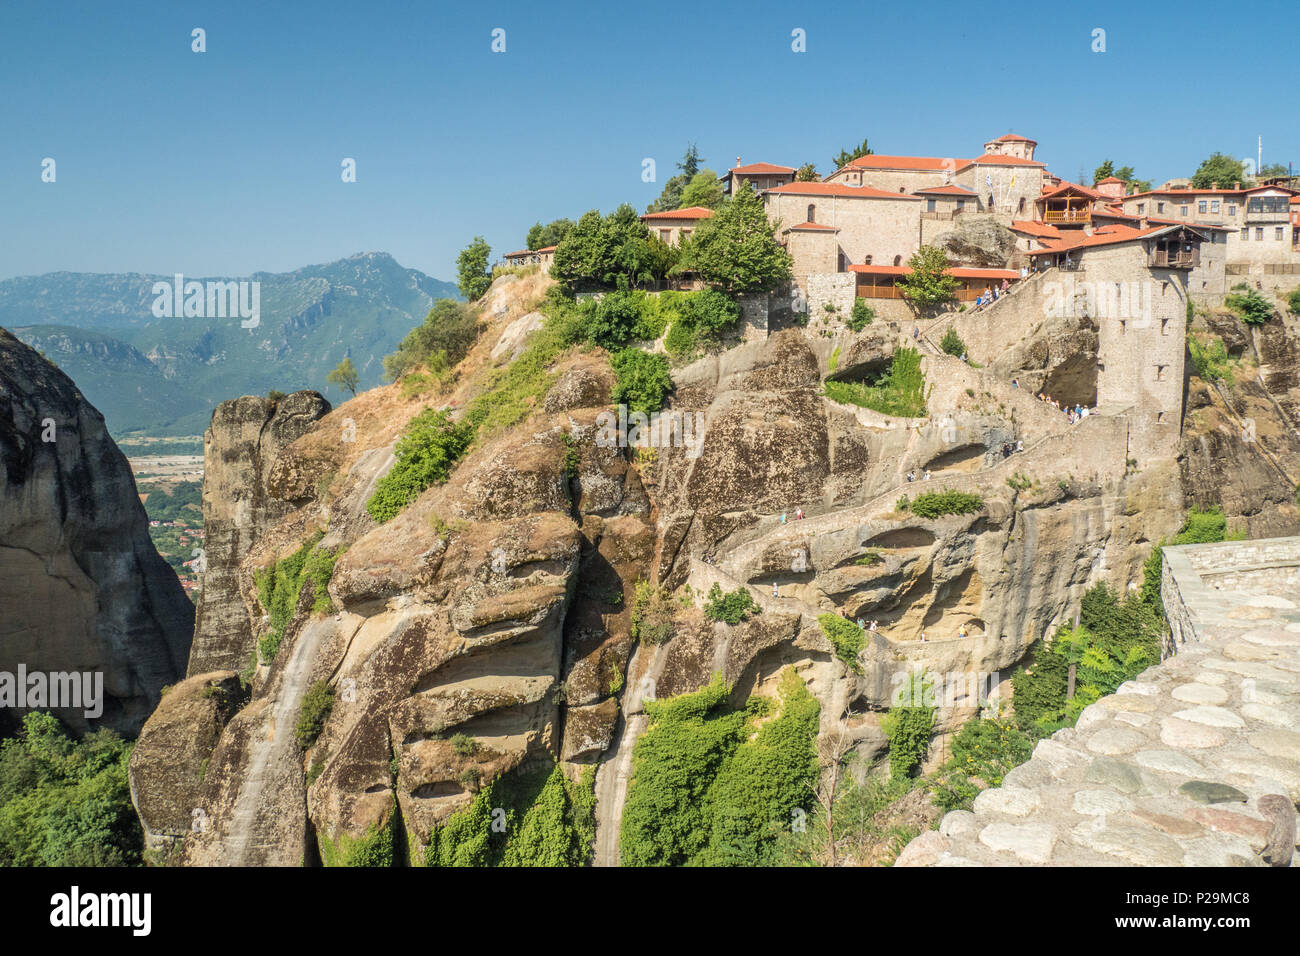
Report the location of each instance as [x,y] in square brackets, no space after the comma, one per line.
[861,316]
[652,614]
[317,704]
[899,391]
[443,339]
[377,847]
[935,504]
[643,380]
[909,727]
[710,312]
[680,341]
[280,586]
[1210,359]
[952,343]
[66,802]
[846,637]
[464,745]
[426,453]
[983,752]
[1252,307]
[732,608]
[1293,301]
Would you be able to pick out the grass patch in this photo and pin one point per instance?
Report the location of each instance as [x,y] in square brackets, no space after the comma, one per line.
[899,391]
[846,637]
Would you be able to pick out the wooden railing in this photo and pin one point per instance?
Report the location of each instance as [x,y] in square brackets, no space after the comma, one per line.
[1173,260]
[1067,215]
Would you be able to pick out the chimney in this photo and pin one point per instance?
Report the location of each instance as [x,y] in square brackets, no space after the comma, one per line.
[737,160]
[1237,186]
[1214,185]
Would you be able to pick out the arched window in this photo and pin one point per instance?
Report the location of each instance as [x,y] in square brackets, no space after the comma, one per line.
[1022,203]
[990,200]
[898,260]
[867,261]
[812,213]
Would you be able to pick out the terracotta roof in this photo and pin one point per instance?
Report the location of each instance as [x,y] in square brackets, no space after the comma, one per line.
[1068,186]
[1107,236]
[875,161]
[1207,192]
[959,272]
[1109,179]
[1013,138]
[811,227]
[548,248]
[521,252]
[1039,229]
[690,212]
[757,168]
[997,159]
[838,189]
[951,189]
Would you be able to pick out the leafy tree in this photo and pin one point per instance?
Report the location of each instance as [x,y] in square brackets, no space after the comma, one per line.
[929,282]
[643,380]
[426,453]
[472,269]
[1104,171]
[539,236]
[671,196]
[691,162]
[615,251]
[1271,170]
[345,376]
[807,173]
[546,836]
[736,250]
[846,156]
[445,337]
[704,189]
[1222,169]
[65,802]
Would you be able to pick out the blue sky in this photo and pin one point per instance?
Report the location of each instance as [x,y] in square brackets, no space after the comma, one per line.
[228,162]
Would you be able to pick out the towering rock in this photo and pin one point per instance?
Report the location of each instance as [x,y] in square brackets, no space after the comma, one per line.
[240,446]
[81,586]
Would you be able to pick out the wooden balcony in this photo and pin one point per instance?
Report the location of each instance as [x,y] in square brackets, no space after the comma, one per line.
[1067,215]
[1172,259]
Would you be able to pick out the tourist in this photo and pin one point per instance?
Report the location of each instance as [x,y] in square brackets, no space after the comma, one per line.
[872,628]
[782,517]
[923,637]
[1015,383]
[860,624]
[988,294]
[1005,285]
[961,631]
[775,592]
[1020,445]
[963,356]
[798,515]
[911,476]
[916,332]
[927,474]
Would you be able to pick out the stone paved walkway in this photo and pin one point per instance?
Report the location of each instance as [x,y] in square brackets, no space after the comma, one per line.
[1175,769]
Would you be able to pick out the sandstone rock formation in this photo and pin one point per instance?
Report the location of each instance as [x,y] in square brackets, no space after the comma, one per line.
[82,587]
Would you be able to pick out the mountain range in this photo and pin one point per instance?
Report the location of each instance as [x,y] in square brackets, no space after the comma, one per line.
[163,376]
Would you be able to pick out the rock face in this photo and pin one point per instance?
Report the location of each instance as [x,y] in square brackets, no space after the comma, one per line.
[82,587]
[979,241]
[489,624]
[239,449]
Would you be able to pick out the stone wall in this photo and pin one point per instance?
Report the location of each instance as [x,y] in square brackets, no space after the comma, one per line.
[836,288]
[1196,762]
[884,229]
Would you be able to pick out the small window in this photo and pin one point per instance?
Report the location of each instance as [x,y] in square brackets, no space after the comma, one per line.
[665,234]
[1160,372]
[898,260]
[1123,326]
[1259,233]
[961,205]
[929,205]
[1160,418]
[812,212]
[1245,235]
[1183,210]
[1164,326]
[1142,209]
[1202,207]
[867,261]
[1160,207]
[1214,205]
[1278,237]
[1022,203]
[1232,210]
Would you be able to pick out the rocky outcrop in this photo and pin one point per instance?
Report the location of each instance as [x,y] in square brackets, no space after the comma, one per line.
[980,241]
[82,587]
[239,449]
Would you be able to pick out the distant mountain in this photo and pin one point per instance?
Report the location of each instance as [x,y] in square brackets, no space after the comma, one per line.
[163,376]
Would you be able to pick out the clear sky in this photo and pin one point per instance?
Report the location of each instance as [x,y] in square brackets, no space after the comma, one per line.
[228,162]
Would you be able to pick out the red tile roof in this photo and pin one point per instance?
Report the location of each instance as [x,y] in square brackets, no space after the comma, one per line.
[950,189]
[521,252]
[1039,229]
[1207,192]
[760,168]
[690,212]
[811,227]
[1013,138]
[874,161]
[838,189]
[548,248]
[1106,236]
[1110,179]
[1070,187]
